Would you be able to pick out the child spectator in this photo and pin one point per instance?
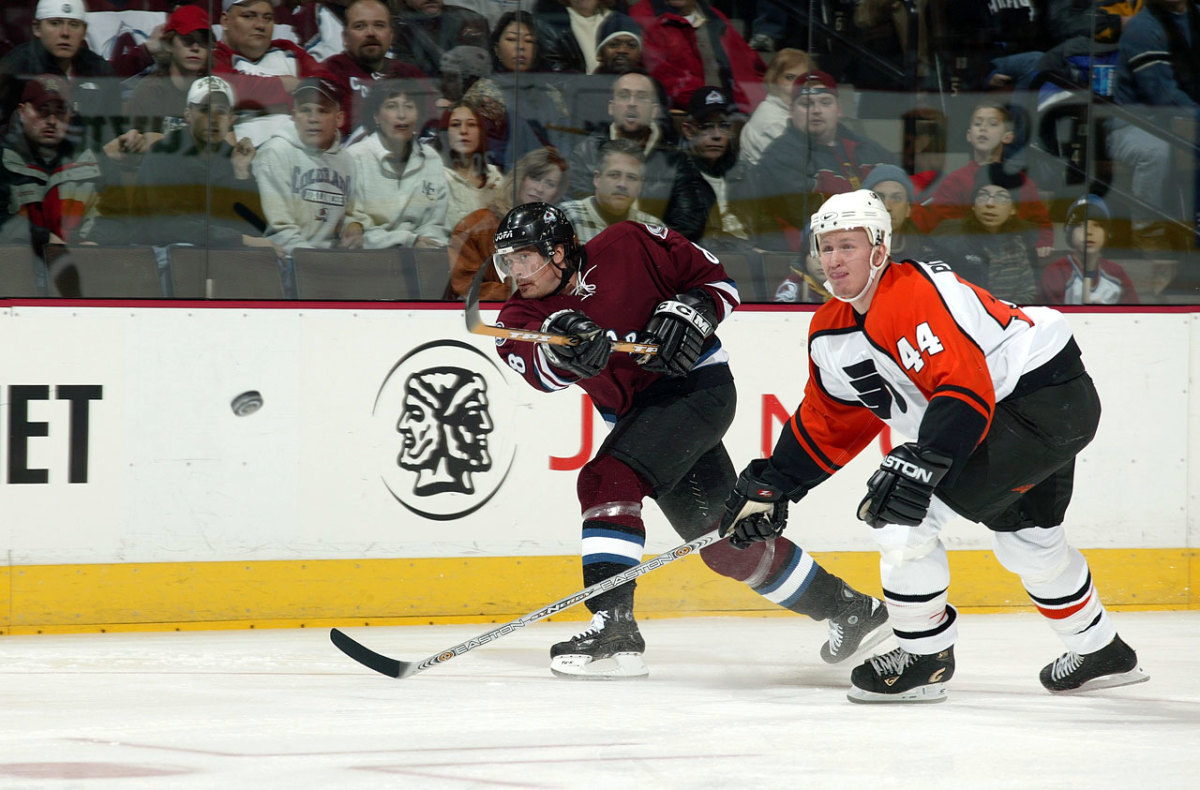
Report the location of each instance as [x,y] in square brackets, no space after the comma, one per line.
[991,129]
[1083,277]
[160,99]
[992,246]
[303,173]
[399,185]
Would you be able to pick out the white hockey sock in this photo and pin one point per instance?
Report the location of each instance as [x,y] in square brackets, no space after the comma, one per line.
[1057,578]
[915,574]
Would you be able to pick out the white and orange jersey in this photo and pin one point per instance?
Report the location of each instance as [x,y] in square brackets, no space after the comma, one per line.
[930,359]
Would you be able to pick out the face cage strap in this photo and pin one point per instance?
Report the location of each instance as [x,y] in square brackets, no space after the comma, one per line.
[875,270]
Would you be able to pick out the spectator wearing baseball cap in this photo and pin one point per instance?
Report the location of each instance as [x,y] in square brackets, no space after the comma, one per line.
[689,43]
[709,137]
[194,186]
[160,98]
[1084,276]
[304,173]
[815,156]
[262,70]
[49,185]
[771,117]
[59,47]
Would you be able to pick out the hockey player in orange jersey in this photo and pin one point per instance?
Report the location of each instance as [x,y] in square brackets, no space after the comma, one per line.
[997,404]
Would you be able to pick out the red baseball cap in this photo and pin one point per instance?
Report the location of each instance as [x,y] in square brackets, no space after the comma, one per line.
[188,19]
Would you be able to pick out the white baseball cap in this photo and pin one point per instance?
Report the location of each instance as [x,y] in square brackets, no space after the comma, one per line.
[60,9]
[204,86]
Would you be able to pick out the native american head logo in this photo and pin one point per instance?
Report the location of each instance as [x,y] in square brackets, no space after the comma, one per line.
[447,411]
[445,425]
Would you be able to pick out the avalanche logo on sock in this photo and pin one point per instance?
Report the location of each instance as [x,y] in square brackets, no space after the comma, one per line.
[448,404]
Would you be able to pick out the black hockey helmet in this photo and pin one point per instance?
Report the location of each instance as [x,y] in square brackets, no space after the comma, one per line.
[539,225]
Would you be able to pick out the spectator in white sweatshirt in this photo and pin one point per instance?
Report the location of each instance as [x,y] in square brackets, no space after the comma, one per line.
[304,174]
[400,193]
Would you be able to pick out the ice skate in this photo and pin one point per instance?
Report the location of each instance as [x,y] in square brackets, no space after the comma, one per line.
[860,624]
[900,676]
[609,648]
[1115,664]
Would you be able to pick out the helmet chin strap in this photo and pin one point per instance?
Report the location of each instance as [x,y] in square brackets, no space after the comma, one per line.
[875,270]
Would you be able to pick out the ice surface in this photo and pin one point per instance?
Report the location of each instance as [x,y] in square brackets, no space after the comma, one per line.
[731,703]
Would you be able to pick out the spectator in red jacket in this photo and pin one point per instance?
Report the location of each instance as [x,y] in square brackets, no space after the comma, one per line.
[366,40]
[688,44]
[263,71]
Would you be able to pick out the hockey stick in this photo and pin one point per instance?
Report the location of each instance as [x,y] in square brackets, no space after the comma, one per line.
[401,669]
[475,325]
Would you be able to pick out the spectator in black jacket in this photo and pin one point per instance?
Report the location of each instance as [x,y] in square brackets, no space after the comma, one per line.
[427,28]
[571,32]
[59,47]
[709,133]
[193,187]
[673,188]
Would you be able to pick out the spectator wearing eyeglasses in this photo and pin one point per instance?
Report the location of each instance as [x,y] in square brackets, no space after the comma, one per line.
[992,246]
[672,187]
[159,100]
[709,138]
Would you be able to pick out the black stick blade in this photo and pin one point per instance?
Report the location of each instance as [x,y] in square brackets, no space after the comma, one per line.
[368,657]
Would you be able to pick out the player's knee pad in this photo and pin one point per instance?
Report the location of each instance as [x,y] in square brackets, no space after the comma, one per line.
[1036,554]
[747,566]
[605,480]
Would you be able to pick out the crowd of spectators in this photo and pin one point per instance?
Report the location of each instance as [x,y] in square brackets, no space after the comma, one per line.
[374,124]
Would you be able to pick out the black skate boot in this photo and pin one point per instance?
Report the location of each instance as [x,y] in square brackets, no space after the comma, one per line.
[900,676]
[1113,665]
[860,623]
[611,647]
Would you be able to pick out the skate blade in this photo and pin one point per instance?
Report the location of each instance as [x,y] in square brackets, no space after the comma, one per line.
[881,632]
[1135,675]
[619,666]
[934,692]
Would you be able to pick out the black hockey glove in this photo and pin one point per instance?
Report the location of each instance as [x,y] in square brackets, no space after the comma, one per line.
[901,491]
[757,507]
[679,328]
[591,354]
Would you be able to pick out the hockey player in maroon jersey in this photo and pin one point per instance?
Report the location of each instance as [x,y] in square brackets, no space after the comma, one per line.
[667,413]
[998,404]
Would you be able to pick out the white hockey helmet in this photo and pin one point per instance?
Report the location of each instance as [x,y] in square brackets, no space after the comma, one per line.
[861,208]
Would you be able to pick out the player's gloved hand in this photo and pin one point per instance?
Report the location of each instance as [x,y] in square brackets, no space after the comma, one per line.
[589,356]
[679,328]
[756,509]
[901,491]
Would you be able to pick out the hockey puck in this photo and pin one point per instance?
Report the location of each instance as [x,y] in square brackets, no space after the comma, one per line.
[247,403]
